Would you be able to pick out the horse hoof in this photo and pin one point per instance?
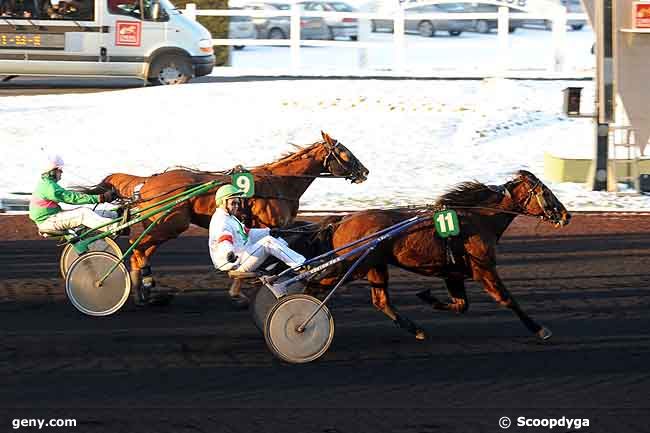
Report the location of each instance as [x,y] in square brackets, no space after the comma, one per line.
[420,335]
[160,300]
[544,333]
[239,302]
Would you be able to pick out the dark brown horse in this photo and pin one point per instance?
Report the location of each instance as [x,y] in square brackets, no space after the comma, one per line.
[278,188]
[484,214]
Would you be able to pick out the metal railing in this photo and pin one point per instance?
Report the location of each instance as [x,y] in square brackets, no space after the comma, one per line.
[398,45]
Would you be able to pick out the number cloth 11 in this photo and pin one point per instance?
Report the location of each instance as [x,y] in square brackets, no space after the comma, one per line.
[446,223]
[245,183]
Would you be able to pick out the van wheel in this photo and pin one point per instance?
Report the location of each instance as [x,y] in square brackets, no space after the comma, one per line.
[455,32]
[577,27]
[238,47]
[170,69]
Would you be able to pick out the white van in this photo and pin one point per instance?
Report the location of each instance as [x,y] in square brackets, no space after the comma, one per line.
[146,39]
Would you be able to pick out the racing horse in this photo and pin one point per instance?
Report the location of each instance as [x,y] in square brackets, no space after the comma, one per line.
[278,188]
[484,213]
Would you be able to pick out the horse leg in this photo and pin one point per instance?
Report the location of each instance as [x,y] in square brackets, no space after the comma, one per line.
[493,285]
[378,279]
[142,280]
[238,299]
[456,288]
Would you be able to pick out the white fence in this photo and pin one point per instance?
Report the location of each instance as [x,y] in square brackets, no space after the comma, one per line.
[398,45]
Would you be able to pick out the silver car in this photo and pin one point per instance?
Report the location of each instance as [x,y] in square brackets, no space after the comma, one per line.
[241,27]
[427,27]
[572,6]
[280,27]
[337,27]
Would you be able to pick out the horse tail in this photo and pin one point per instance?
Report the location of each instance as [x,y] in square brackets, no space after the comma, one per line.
[96,189]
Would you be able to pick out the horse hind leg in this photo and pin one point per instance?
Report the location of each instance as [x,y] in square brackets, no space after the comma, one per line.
[142,280]
[456,288]
[378,279]
[238,299]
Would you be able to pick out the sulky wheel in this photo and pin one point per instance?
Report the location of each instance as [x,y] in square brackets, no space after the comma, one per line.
[281,329]
[83,288]
[264,299]
[69,254]
[262,302]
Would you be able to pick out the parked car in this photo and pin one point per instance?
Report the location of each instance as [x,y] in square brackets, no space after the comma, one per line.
[572,6]
[280,27]
[241,27]
[428,27]
[487,25]
[338,27]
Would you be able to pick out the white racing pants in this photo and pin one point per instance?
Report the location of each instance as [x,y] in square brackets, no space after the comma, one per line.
[256,251]
[70,219]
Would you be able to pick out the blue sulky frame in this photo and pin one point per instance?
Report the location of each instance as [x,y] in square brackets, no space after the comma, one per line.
[372,241]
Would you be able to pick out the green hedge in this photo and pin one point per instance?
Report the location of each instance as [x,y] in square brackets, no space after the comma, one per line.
[218,26]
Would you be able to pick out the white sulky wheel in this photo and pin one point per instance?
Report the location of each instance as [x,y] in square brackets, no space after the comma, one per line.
[281,329]
[69,254]
[264,299]
[81,284]
[262,302]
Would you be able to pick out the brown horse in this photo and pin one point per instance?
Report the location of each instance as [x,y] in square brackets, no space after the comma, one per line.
[484,213]
[278,188]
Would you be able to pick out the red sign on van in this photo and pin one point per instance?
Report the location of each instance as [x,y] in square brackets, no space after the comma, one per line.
[641,15]
[128,33]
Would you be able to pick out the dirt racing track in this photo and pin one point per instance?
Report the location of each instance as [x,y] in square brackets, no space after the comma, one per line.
[197,365]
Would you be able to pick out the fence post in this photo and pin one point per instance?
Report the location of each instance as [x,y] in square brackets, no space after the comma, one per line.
[559,40]
[364,33]
[295,36]
[503,28]
[190,11]
[399,40]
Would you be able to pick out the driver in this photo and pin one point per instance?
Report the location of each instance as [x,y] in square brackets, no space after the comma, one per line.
[233,246]
[44,207]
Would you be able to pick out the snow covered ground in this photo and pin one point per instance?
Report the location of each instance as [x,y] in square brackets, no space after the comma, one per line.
[417,137]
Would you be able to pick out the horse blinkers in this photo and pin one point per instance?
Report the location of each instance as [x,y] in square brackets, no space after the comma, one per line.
[350,167]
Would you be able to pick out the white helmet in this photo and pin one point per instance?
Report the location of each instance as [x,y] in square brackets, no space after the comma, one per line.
[52,162]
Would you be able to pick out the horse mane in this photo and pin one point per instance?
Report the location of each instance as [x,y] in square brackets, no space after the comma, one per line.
[290,156]
[285,157]
[465,194]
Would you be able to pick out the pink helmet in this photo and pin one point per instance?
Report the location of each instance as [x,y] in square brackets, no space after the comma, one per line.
[52,162]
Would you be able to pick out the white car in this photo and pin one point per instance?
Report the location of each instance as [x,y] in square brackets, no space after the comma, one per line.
[241,27]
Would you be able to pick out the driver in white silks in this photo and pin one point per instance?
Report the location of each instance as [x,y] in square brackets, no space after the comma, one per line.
[233,246]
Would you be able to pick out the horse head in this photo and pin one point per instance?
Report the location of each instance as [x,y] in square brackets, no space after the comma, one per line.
[339,161]
[534,198]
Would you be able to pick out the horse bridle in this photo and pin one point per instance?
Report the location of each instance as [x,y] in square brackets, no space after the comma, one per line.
[539,196]
[331,153]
